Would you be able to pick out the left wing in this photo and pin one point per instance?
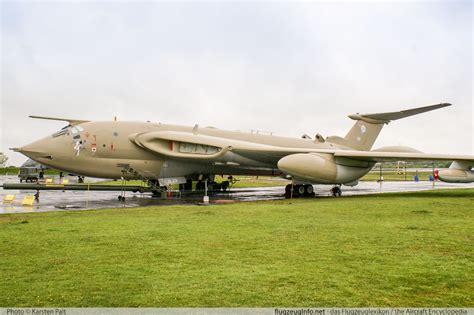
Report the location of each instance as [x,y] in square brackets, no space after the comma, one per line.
[205,147]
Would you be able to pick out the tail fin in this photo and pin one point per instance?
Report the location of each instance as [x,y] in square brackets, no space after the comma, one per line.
[362,135]
[365,131]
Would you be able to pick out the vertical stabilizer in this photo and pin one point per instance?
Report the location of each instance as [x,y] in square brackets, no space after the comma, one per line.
[362,135]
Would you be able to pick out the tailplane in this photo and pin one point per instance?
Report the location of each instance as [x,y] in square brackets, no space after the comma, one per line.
[365,131]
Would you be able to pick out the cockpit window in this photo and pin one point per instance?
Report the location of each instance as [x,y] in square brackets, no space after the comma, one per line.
[61,132]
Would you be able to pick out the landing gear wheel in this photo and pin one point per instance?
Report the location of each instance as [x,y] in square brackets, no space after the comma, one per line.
[200,185]
[309,190]
[213,186]
[336,191]
[189,185]
[225,185]
[300,190]
[121,198]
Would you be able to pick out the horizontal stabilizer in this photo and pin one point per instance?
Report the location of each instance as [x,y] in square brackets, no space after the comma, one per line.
[380,118]
[72,122]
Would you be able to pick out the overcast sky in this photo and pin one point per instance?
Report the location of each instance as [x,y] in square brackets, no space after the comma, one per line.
[291,68]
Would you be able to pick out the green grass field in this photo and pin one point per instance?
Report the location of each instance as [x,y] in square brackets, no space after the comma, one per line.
[406,249]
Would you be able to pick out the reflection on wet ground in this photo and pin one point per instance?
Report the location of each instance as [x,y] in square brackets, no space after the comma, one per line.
[78,200]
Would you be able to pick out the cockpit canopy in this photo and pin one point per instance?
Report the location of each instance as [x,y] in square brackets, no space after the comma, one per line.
[68,130]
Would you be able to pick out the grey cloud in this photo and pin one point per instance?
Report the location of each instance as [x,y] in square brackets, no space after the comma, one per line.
[291,68]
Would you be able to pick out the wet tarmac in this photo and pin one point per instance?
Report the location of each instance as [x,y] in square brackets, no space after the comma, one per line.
[80,200]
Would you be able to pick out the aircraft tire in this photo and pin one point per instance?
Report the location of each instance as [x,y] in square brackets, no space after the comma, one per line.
[288,192]
[309,190]
[301,190]
[215,186]
[189,185]
[200,185]
[225,185]
[336,191]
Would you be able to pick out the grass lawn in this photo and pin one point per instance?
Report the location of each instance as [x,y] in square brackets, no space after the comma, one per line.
[406,249]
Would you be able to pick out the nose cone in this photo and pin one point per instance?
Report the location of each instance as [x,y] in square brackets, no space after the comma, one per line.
[39,150]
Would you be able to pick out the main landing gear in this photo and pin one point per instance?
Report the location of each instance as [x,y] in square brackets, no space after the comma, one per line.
[298,190]
[336,191]
[212,186]
[307,190]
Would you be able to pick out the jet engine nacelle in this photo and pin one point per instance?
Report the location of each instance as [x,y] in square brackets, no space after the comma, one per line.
[458,172]
[320,168]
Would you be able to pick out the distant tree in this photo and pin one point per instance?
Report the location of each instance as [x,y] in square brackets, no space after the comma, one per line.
[3,159]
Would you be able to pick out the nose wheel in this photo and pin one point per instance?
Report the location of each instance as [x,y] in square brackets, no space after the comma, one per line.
[336,191]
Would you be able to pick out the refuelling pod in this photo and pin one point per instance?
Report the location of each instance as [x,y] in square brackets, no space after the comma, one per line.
[458,172]
[320,168]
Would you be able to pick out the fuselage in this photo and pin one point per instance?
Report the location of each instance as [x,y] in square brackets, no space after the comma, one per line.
[103,149]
